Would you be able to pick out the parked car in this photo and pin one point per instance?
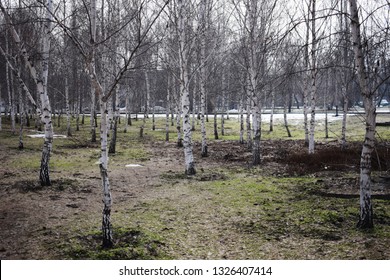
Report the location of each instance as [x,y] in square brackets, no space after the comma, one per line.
[384,103]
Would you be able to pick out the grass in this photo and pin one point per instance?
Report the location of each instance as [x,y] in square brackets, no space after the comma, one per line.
[130,244]
[270,217]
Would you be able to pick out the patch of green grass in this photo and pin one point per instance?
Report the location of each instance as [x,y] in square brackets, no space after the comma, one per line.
[130,244]
[266,217]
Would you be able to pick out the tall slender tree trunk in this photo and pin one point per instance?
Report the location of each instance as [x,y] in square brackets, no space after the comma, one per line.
[344,76]
[107,201]
[77,109]
[22,117]
[306,87]
[285,117]
[326,117]
[68,132]
[147,80]
[203,77]
[184,89]
[168,109]
[92,111]
[114,132]
[10,89]
[242,122]
[178,127]
[271,121]
[193,107]
[46,109]
[313,78]
[344,123]
[248,123]
[154,118]
[103,163]
[366,210]
[128,116]
[224,89]
[223,116]
[216,137]
[256,148]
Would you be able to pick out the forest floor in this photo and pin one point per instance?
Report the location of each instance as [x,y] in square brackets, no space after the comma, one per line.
[292,206]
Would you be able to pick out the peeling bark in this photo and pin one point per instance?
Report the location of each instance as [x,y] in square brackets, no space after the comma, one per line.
[107,201]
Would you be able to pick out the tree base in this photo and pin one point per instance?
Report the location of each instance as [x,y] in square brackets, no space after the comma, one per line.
[107,244]
[180,143]
[191,171]
[365,224]
[204,152]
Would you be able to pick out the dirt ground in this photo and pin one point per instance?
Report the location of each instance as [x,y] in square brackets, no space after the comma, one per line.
[34,220]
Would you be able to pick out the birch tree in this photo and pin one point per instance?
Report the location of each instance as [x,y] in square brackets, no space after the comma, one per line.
[185,47]
[202,73]
[366,211]
[88,52]
[40,79]
[10,87]
[345,76]
[313,72]
[258,23]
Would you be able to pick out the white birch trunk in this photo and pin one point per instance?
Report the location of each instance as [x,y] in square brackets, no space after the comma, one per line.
[128,116]
[223,116]
[256,110]
[168,108]
[285,117]
[10,90]
[77,111]
[203,77]
[224,87]
[344,76]
[46,109]
[202,114]
[22,116]
[326,118]
[178,126]
[193,108]
[115,101]
[103,163]
[184,89]
[305,109]
[107,201]
[92,120]
[306,88]
[147,94]
[154,118]
[271,120]
[313,79]
[68,132]
[344,121]
[256,115]
[248,123]
[41,83]
[242,122]
[366,211]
